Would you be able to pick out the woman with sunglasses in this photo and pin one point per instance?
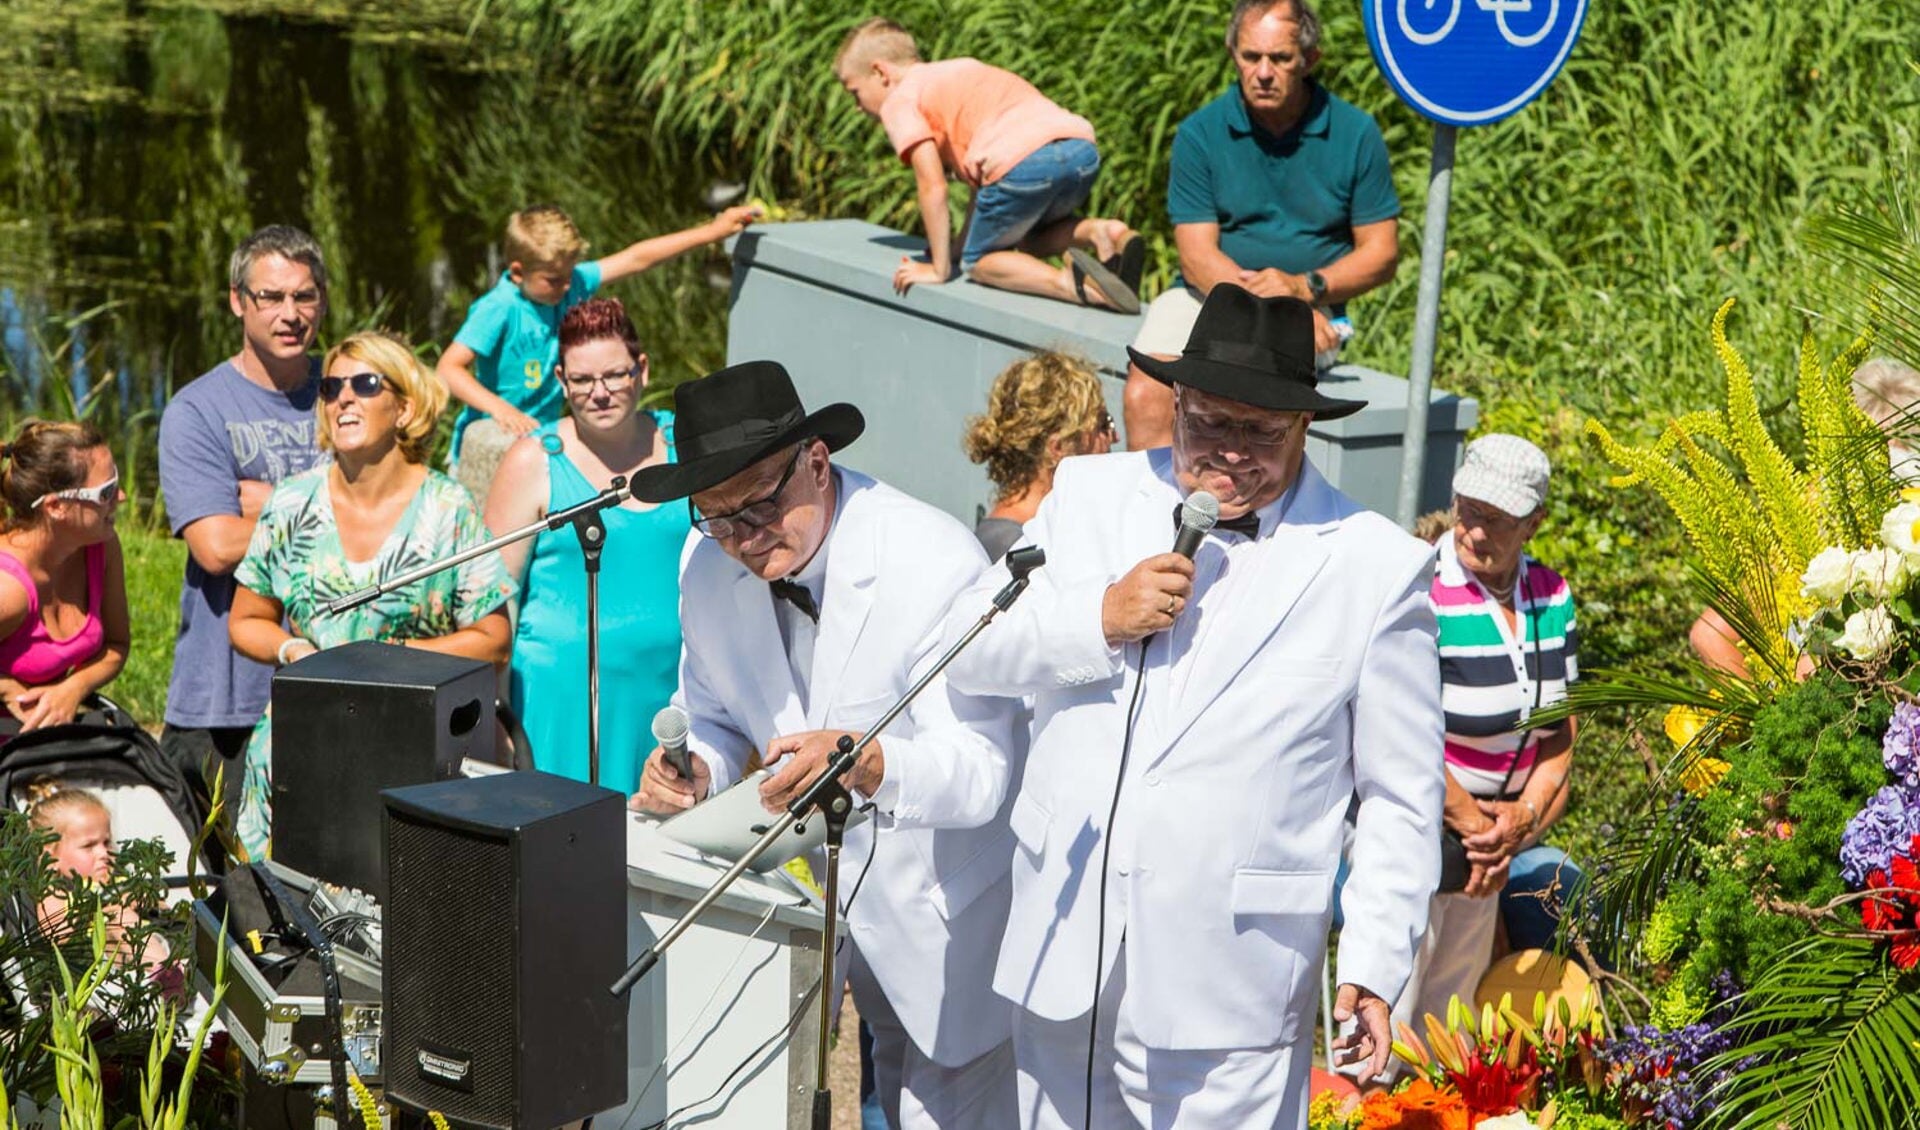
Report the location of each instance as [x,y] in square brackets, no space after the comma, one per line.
[63,592]
[1041,409]
[602,371]
[377,510]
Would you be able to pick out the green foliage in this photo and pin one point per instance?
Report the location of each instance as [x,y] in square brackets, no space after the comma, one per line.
[88,1006]
[1833,1027]
[1672,162]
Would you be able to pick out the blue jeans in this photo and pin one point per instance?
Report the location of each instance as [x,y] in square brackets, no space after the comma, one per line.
[1538,883]
[1048,186]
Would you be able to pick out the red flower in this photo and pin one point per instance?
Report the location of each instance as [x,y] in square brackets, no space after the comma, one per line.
[1897,915]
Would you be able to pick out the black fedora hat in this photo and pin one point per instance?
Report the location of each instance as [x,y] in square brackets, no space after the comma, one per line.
[1258,351]
[731,419]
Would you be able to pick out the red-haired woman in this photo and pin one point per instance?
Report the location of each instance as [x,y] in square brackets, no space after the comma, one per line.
[602,371]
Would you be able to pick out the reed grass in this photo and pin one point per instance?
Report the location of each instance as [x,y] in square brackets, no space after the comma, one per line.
[1674,162]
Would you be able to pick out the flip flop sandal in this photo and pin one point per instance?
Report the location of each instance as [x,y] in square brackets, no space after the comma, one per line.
[1085,266]
[1130,262]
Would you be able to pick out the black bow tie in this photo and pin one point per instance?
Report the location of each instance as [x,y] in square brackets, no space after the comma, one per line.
[1246,525]
[798,596]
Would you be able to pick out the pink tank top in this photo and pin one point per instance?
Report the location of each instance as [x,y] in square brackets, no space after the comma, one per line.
[31,655]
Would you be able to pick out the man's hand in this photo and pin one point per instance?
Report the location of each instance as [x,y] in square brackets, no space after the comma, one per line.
[913,271]
[1325,337]
[253,498]
[1372,1034]
[1512,824]
[1272,283]
[797,760]
[52,705]
[733,221]
[664,791]
[514,420]
[1147,599]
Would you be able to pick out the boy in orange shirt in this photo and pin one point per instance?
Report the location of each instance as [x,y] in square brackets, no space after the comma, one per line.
[1030,164]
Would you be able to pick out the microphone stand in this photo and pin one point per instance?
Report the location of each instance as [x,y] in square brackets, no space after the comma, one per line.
[584,517]
[830,797]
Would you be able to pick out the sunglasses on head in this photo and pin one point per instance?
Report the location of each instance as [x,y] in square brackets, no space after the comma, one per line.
[365,386]
[101,495]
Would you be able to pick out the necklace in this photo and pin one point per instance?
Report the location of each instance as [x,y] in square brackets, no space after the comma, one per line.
[1501,593]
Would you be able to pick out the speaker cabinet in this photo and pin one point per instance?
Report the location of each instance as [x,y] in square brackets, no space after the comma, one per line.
[505,923]
[351,721]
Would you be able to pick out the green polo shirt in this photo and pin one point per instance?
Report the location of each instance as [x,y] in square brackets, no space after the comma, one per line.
[1289,202]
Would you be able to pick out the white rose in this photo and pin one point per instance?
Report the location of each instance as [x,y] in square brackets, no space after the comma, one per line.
[1827,576]
[1880,573]
[1900,529]
[1868,633]
[1517,1120]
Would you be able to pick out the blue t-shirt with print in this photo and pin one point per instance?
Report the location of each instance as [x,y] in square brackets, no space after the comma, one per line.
[515,342]
[218,430]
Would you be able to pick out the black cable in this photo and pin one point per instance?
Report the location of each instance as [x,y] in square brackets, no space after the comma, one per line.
[785,1029]
[1106,852]
[873,845]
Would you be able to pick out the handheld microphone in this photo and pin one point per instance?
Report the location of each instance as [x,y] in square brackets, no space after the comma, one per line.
[1197,515]
[670,727]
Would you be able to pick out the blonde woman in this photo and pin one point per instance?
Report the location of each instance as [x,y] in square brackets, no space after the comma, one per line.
[63,592]
[1041,410]
[377,510]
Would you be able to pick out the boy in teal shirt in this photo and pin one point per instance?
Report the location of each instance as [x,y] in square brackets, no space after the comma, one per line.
[500,365]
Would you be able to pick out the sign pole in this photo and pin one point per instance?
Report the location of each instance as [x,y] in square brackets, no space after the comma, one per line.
[1426,323]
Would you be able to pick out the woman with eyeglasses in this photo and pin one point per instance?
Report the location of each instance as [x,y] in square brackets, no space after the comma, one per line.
[376,511]
[602,371]
[63,592]
[1040,410]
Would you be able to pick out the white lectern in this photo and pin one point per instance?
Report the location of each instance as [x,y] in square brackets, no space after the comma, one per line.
[722,1033]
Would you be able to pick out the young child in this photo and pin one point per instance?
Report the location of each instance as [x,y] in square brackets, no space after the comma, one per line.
[500,364]
[1030,164]
[84,849]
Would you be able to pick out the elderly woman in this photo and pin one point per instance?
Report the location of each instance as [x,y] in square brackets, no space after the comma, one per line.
[1507,650]
[375,511]
[602,370]
[63,592]
[1041,409]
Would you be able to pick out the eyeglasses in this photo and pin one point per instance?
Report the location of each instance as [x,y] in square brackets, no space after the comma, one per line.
[303,300]
[1491,520]
[1221,432]
[366,386]
[617,380]
[755,515]
[102,495]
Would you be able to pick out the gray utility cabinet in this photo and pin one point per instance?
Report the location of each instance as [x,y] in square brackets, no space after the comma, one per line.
[818,297]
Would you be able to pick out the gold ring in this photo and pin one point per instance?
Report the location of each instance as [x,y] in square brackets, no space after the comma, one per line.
[1171,601]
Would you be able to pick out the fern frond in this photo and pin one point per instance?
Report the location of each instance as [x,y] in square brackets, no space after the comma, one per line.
[1779,486]
[1834,1027]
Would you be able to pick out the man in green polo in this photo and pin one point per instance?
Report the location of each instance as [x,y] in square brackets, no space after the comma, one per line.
[1277,186]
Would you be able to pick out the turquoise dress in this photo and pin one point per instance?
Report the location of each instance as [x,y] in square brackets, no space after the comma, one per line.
[639,629]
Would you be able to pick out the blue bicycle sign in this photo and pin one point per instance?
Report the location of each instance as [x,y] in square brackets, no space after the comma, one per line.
[1471,62]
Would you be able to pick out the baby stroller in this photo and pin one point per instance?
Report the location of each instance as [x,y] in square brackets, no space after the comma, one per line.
[106,752]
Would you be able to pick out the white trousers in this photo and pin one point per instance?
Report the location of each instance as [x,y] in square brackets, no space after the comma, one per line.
[1157,1088]
[915,1092]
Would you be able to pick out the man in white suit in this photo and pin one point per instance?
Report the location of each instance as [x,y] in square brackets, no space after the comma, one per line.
[1200,729]
[811,598]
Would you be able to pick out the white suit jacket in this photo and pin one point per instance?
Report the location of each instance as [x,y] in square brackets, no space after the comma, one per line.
[1320,682]
[927,918]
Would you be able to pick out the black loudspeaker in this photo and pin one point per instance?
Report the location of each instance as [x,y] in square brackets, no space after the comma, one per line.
[504,925]
[351,721]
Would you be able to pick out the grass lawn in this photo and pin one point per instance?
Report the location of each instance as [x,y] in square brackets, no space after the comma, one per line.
[155,564]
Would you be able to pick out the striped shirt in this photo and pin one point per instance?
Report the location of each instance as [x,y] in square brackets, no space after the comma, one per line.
[1491,678]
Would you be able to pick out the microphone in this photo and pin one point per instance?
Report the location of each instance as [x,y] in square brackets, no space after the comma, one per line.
[670,731]
[1197,515]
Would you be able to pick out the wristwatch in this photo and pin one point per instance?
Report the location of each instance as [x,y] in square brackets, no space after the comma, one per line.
[1317,284]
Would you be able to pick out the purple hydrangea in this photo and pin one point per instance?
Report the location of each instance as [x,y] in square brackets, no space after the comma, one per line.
[1902,745]
[1886,825]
